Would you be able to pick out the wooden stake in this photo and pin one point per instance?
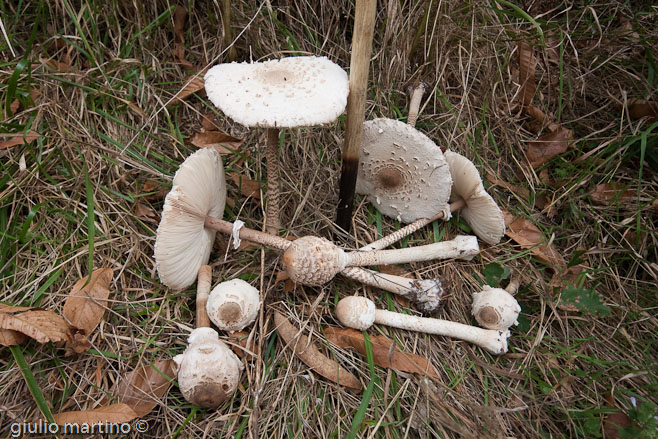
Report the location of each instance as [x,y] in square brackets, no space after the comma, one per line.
[204,280]
[364,25]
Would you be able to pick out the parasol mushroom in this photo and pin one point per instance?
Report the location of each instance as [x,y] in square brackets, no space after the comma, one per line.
[233,305]
[496,308]
[284,93]
[360,313]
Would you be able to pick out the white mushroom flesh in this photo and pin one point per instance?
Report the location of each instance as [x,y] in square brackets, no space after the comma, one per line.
[495,308]
[233,305]
[403,173]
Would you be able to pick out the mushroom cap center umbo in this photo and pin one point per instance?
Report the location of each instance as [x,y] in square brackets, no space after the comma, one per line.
[230,312]
[209,395]
[390,178]
[489,315]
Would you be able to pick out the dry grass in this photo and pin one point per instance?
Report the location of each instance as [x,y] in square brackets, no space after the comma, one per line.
[107,115]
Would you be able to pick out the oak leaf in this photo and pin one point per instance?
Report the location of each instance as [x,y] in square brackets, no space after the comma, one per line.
[548,146]
[41,325]
[87,301]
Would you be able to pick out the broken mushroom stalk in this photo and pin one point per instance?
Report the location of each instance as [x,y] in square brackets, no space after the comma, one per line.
[284,93]
[496,308]
[360,313]
[208,370]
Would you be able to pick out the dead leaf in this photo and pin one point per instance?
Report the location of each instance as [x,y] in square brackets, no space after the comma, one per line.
[520,192]
[240,347]
[11,309]
[308,353]
[20,139]
[606,193]
[180,16]
[143,388]
[158,190]
[115,413]
[527,64]
[612,422]
[548,146]
[385,353]
[248,188]
[87,301]
[289,286]
[222,142]
[146,213]
[193,84]
[528,236]
[639,108]
[11,338]
[41,325]
[208,122]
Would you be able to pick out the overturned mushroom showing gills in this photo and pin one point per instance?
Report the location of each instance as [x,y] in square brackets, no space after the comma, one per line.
[182,243]
[284,93]
[208,371]
[360,313]
[495,308]
[233,305]
[403,173]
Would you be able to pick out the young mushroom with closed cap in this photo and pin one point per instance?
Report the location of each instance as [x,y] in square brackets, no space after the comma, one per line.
[496,308]
[360,313]
[208,371]
[233,305]
[284,93]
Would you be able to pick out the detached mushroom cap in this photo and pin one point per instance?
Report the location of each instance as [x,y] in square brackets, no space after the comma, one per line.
[182,243]
[208,371]
[286,92]
[311,260]
[356,312]
[481,211]
[495,308]
[233,305]
[403,173]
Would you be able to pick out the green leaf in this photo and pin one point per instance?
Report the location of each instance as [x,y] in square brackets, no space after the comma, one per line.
[585,300]
[494,273]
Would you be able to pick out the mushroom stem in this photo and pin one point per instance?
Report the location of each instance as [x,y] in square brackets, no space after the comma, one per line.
[360,313]
[272,159]
[409,229]
[202,292]
[462,247]
[249,234]
[414,105]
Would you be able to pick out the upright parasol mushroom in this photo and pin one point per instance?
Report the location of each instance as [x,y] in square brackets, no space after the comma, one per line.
[233,305]
[284,93]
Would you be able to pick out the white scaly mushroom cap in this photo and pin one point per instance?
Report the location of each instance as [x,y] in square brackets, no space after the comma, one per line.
[233,305]
[481,211]
[182,243]
[402,171]
[286,92]
[208,371]
[495,308]
[356,312]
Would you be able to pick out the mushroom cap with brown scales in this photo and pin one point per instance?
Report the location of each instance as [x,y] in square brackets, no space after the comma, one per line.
[356,312]
[233,305]
[495,308]
[481,211]
[311,260]
[182,243]
[287,92]
[402,171]
[208,371]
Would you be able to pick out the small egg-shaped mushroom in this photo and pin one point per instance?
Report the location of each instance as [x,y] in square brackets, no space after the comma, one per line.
[208,371]
[495,308]
[233,305]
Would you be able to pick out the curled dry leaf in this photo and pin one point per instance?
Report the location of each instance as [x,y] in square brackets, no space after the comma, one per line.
[222,142]
[606,193]
[306,351]
[143,388]
[115,413]
[41,325]
[19,139]
[548,146]
[248,188]
[527,64]
[87,301]
[639,108]
[180,16]
[385,353]
[208,122]
[192,84]
[528,236]
[10,337]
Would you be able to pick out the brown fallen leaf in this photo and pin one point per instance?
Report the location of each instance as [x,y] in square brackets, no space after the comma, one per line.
[87,301]
[612,422]
[527,235]
[548,146]
[192,84]
[208,122]
[180,16]
[222,142]
[115,413]
[11,309]
[16,104]
[606,193]
[248,188]
[639,108]
[143,388]
[41,325]
[20,139]
[145,213]
[520,192]
[527,64]
[306,351]
[157,190]
[240,347]
[385,353]
[11,338]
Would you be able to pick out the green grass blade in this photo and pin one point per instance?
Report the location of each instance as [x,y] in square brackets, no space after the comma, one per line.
[32,383]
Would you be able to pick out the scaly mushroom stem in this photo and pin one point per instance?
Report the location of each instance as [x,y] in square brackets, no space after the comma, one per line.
[410,228]
[414,105]
[272,159]
[202,292]
[360,313]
